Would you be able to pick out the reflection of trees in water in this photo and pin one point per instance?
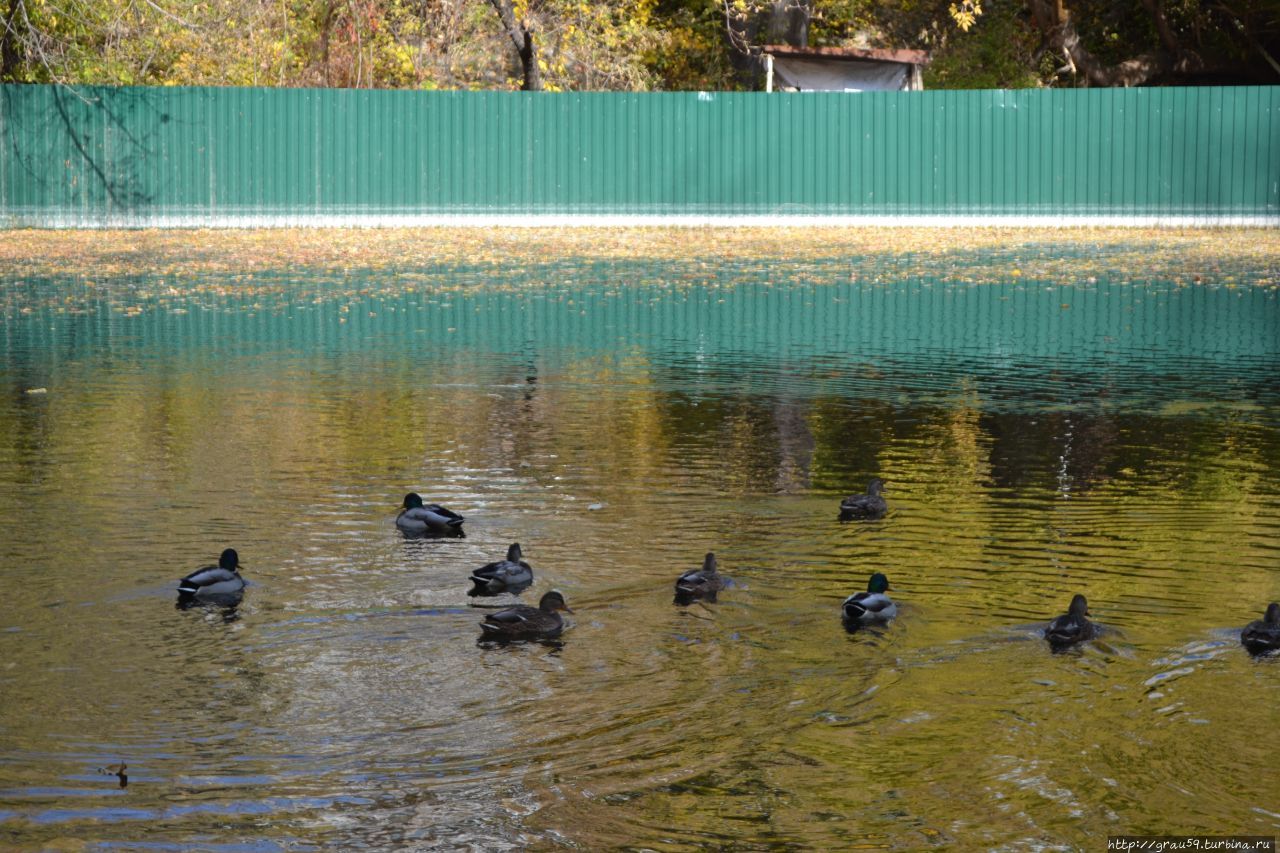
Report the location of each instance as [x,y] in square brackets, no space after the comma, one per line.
[623,414]
[1067,451]
[1076,452]
[795,445]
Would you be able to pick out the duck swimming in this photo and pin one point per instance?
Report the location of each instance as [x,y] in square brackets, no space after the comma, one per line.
[1072,627]
[1263,635]
[222,581]
[868,507]
[527,623]
[872,607]
[510,575]
[419,519]
[701,583]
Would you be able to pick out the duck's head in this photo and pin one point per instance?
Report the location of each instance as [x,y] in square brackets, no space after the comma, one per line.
[878,583]
[1079,606]
[709,562]
[412,500]
[553,601]
[876,486]
[513,553]
[1273,614]
[229,560]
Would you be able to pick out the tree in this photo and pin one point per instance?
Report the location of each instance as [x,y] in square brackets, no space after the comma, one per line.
[751,24]
[1103,43]
[521,34]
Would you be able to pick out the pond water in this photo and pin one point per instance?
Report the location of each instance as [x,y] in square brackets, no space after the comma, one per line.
[1119,438]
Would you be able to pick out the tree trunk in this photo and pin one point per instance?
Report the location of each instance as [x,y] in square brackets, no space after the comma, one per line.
[521,35]
[10,58]
[789,22]
[529,62]
[326,24]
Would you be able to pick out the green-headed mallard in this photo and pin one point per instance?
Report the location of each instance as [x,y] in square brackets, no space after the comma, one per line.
[212,583]
[419,519]
[868,507]
[872,607]
[510,575]
[701,583]
[1072,627]
[527,623]
[1263,635]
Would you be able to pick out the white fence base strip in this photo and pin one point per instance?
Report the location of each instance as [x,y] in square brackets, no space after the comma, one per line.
[348,219]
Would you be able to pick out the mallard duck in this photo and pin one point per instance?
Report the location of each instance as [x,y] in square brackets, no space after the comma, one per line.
[118,771]
[701,583]
[868,507]
[872,607]
[211,582]
[419,519]
[1072,627]
[527,623]
[1263,635]
[510,575]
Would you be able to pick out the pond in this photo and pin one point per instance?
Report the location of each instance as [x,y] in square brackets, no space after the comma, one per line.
[1102,433]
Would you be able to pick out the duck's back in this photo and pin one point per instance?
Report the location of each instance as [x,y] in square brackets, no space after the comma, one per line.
[869,606]
[700,581]
[1068,629]
[503,571]
[211,580]
[864,507]
[521,621]
[1260,637]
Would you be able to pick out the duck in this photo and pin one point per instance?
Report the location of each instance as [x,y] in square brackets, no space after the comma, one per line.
[1263,635]
[527,623]
[1072,627]
[510,575]
[872,607]
[419,519]
[701,583]
[211,582]
[868,507]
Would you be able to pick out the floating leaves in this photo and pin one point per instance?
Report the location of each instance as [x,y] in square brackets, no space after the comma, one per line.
[136,273]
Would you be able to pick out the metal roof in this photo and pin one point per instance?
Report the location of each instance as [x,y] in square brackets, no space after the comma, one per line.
[906,57]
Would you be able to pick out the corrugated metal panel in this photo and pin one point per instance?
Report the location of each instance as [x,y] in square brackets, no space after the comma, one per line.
[200,156]
[903,327]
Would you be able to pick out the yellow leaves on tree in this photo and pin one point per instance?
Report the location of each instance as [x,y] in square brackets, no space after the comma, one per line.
[965,13]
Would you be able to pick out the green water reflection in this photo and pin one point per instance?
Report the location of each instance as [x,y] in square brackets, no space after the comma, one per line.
[620,420]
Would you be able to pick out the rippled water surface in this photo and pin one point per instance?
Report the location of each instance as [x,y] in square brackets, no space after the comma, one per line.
[1039,438]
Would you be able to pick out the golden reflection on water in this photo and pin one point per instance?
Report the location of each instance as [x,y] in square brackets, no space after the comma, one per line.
[347,702]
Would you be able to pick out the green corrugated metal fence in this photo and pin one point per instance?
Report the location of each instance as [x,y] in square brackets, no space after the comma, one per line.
[88,157]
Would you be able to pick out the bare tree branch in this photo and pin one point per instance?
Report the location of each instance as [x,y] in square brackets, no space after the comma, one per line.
[1249,36]
[166,13]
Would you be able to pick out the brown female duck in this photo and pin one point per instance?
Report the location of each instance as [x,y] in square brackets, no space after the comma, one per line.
[1263,635]
[527,623]
[701,583]
[1072,627]
[868,507]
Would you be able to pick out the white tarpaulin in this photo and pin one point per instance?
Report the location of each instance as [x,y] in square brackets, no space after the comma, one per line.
[810,75]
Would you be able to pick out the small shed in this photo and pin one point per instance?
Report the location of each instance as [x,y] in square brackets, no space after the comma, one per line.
[842,69]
